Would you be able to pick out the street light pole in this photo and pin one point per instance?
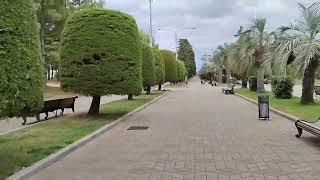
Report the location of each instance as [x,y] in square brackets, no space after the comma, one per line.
[151,31]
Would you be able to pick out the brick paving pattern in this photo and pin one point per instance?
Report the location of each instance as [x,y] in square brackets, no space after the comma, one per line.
[195,133]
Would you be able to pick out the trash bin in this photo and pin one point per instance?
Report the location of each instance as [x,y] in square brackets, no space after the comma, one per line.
[263,104]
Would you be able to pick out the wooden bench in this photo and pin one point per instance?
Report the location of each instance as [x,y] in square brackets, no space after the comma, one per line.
[53,105]
[313,128]
[229,89]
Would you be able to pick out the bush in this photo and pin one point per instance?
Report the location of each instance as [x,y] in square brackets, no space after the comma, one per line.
[21,68]
[170,66]
[148,69]
[282,87]
[159,67]
[253,83]
[101,54]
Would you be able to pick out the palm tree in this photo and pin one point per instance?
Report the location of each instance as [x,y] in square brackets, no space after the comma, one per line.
[253,45]
[301,41]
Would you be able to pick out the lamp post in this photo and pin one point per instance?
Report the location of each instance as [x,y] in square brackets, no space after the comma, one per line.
[151,27]
[175,35]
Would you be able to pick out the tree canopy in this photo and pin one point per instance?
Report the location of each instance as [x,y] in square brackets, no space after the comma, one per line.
[186,54]
[20,70]
[170,66]
[101,53]
[159,67]
[148,67]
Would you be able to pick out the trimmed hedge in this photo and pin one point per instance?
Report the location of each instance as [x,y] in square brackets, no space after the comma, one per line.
[181,70]
[20,70]
[253,83]
[159,67]
[282,87]
[101,53]
[170,66]
[148,66]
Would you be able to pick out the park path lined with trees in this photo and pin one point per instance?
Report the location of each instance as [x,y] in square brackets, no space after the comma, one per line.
[207,136]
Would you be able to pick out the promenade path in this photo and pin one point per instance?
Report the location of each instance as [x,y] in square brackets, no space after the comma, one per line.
[195,133]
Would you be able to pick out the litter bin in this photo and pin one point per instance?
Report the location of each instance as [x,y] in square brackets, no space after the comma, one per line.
[263,104]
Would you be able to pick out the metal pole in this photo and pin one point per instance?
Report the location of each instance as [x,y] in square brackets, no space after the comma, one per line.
[151,33]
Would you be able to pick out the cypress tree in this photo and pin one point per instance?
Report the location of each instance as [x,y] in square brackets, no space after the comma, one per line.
[159,68]
[181,70]
[101,55]
[186,54]
[170,66]
[148,67]
[20,70]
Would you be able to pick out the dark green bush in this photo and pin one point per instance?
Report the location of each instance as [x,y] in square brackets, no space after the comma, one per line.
[282,87]
[101,53]
[170,66]
[148,67]
[253,83]
[20,69]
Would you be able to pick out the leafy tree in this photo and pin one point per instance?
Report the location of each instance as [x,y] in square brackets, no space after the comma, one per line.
[101,55]
[170,66]
[302,40]
[186,54]
[51,17]
[159,68]
[182,71]
[148,67]
[20,70]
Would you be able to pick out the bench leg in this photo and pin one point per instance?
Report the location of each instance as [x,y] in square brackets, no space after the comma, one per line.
[47,115]
[62,111]
[24,120]
[38,117]
[299,132]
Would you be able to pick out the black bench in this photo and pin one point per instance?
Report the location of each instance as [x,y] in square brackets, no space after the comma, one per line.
[53,105]
[313,128]
[229,89]
[213,83]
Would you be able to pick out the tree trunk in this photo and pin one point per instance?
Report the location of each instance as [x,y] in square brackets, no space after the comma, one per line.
[52,76]
[58,75]
[260,79]
[95,106]
[48,73]
[244,82]
[130,97]
[148,89]
[220,75]
[228,76]
[159,87]
[308,82]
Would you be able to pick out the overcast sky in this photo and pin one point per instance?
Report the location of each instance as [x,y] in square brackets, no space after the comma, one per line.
[216,20]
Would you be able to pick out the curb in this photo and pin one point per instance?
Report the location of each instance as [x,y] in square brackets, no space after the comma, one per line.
[38,166]
[276,111]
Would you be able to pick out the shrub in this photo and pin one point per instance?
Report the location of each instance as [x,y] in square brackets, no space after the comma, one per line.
[159,67]
[20,69]
[182,71]
[170,66]
[253,83]
[148,67]
[101,55]
[282,87]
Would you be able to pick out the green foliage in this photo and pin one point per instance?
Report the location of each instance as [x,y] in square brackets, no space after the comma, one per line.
[170,66]
[282,87]
[20,70]
[186,54]
[148,66]
[101,53]
[159,67]
[207,71]
[181,70]
[253,83]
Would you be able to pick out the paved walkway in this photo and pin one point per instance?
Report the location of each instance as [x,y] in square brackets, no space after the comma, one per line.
[195,133]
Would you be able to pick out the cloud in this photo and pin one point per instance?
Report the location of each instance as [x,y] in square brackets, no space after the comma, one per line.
[216,20]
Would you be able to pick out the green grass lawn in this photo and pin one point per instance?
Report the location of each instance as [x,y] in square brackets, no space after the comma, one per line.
[310,112]
[49,92]
[25,147]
